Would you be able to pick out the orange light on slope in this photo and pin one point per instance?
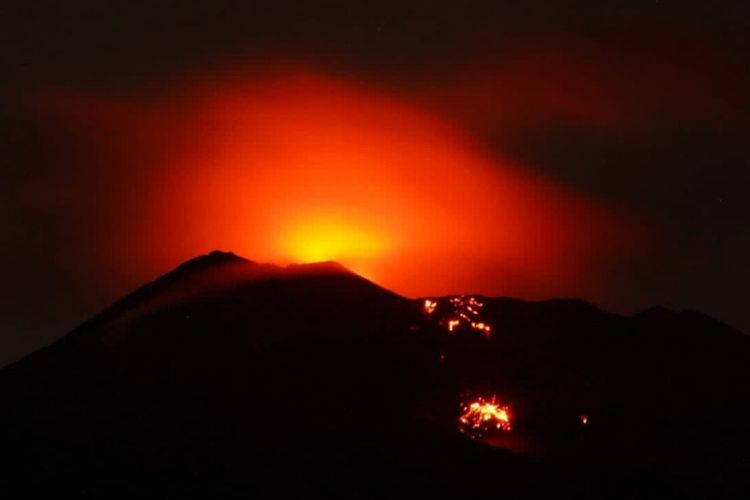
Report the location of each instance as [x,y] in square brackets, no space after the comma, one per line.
[482,416]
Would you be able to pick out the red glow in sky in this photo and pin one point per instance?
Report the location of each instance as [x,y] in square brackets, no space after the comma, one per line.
[297,166]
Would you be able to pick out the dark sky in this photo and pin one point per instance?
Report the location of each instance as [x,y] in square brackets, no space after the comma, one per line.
[640,104]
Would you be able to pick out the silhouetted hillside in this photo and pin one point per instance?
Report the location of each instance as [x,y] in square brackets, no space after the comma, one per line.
[226,377]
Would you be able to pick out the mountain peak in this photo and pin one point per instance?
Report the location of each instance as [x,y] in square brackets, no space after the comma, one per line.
[209,273]
[211,259]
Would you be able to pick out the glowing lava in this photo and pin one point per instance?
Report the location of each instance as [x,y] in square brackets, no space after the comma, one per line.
[482,416]
[466,314]
[481,326]
[429,306]
[453,325]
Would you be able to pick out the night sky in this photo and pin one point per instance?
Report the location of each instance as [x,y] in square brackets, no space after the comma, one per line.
[595,149]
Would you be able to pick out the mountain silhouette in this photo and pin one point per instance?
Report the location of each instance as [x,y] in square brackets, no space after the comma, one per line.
[227,377]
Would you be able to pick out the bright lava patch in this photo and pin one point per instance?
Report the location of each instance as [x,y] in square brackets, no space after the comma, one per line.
[483,416]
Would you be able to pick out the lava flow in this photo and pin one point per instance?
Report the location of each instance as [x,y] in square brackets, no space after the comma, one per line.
[429,306]
[465,313]
[483,416]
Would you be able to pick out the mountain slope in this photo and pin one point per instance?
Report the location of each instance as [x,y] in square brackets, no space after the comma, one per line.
[227,377]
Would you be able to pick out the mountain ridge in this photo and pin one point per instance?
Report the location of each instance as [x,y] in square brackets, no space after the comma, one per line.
[232,270]
[219,258]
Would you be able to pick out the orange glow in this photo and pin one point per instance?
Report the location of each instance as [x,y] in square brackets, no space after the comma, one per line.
[296,166]
[584,419]
[453,324]
[482,416]
[302,167]
[331,238]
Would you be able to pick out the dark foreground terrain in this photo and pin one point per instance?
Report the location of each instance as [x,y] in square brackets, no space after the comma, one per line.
[228,378]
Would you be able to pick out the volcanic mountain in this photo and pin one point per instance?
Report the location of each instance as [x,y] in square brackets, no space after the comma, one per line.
[226,377]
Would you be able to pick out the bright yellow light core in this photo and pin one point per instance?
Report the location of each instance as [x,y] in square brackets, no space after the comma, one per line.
[324,239]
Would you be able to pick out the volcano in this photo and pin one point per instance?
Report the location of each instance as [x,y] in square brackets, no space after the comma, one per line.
[226,377]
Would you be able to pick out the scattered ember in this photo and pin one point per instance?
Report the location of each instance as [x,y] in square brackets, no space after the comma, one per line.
[461,313]
[429,306]
[474,302]
[482,416]
[482,327]
[467,314]
[584,419]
